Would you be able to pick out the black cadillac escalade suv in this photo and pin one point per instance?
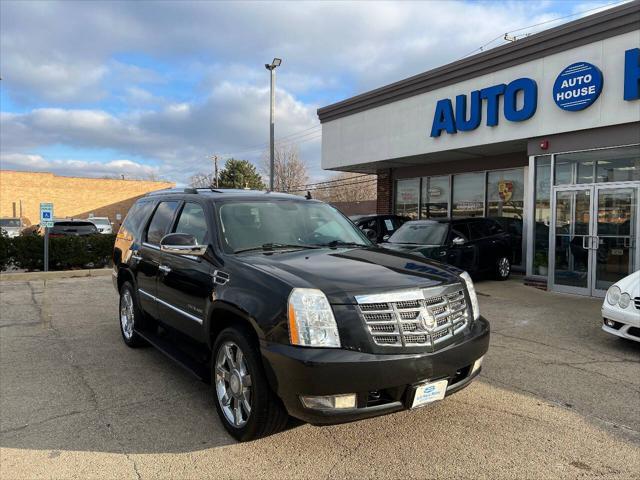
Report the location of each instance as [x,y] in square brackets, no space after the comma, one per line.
[288,309]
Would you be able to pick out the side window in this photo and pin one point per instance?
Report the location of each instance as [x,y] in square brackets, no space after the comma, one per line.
[478,230]
[161,222]
[459,230]
[135,218]
[192,221]
[369,224]
[494,227]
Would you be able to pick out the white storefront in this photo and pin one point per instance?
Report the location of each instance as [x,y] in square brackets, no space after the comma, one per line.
[542,134]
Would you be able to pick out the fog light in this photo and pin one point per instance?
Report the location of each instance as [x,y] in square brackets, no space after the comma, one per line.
[330,402]
[476,365]
[609,323]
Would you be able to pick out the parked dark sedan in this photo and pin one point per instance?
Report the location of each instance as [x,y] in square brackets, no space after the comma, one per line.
[477,245]
[382,225]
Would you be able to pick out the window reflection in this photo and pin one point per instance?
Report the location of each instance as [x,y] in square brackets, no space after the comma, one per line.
[407,197]
[468,195]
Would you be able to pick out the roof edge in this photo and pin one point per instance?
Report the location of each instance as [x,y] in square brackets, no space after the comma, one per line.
[608,23]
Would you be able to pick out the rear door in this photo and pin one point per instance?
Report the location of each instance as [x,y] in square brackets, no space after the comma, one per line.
[185,282]
[148,254]
[485,242]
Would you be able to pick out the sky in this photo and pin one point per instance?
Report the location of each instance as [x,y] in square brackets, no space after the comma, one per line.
[152,89]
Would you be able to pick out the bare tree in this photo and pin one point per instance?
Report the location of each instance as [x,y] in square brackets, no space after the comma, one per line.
[289,170]
[347,187]
[202,180]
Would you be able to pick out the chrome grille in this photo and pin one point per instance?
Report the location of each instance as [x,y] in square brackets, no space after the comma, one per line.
[636,302]
[399,319]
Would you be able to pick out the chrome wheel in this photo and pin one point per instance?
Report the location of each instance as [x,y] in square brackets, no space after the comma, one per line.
[233,384]
[504,267]
[126,314]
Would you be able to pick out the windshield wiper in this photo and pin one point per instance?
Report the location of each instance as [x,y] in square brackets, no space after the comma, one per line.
[266,247]
[340,243]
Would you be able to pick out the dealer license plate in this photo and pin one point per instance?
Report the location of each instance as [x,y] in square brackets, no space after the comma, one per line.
[429,392]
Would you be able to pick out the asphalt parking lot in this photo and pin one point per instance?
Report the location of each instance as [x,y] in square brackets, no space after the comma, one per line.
[557,398]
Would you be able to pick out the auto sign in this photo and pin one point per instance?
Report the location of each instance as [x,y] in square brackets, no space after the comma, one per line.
[577,86]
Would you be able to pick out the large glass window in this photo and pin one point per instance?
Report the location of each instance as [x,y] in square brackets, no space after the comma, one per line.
[542,214]
[435,197]
[609,165]
[468,195]
[619,164]
[505,204]
[408,197]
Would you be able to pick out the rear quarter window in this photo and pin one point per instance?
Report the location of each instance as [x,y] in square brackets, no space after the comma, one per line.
[136,217]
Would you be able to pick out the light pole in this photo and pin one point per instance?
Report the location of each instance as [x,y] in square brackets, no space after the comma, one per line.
[272,68]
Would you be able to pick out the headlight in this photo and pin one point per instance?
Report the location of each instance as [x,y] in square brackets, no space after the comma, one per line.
[311,320]
[613,295]
[624,301]
[472,295]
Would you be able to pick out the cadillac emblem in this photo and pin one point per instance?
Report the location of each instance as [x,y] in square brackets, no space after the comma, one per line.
[427,320]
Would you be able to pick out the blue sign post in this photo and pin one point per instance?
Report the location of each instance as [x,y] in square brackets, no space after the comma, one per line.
[46,221]
[577,86]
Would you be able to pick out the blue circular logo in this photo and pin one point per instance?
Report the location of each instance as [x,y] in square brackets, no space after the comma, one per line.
[577,86]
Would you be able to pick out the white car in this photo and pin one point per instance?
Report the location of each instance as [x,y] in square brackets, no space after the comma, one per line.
[103,224]
[11,226]
[621,308]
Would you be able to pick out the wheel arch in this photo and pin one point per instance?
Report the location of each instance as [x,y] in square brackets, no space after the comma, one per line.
[223,315]
[125,274]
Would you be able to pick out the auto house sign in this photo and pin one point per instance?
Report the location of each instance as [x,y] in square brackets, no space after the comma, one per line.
[577,86]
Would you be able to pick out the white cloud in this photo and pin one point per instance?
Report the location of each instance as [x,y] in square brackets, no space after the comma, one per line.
[57,54]
[128,168]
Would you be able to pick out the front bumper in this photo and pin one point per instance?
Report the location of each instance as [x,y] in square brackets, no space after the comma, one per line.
[627,321]
[383,383]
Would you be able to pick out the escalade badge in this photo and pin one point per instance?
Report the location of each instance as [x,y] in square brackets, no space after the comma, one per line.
[427,320]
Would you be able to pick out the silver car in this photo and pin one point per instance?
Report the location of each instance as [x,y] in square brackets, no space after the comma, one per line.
[11,226]
[103,224]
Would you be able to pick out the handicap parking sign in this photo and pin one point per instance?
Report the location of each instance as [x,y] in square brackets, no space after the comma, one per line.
[46,214]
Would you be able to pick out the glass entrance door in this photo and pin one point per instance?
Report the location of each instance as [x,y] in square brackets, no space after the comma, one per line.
[594,237]
[570,241]
[615,230]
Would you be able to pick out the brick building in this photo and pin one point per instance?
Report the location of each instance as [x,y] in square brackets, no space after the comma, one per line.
[71,196]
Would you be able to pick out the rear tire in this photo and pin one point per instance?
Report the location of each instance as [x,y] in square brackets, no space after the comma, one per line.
[247,407]
[503,268]
[131,317]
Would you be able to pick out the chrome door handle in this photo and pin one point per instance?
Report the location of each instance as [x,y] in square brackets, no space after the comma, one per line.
[135,256]
[164,269]
[584,243]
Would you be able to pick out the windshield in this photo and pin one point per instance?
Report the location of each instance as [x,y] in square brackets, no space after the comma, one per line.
[9,222]
[248,225]
[100,221]
[423,233]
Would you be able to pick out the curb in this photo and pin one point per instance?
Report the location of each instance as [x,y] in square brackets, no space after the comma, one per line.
[27,276]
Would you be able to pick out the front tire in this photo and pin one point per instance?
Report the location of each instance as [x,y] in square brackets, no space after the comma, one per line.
[503,268]
[246,405]
[130,316]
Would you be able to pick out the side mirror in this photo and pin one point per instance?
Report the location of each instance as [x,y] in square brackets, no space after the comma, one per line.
[458,241]
[371,234]
[386,238]
[182,244]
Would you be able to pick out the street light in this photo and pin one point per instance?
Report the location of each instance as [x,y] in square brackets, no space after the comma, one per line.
[272,68]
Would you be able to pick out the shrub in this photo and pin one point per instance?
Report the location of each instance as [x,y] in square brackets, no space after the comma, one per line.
[5,251]
[65,253]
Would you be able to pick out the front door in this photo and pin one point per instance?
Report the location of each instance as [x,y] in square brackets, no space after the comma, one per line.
[593,238]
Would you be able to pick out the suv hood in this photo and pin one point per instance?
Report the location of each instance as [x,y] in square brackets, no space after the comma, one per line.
[344,272]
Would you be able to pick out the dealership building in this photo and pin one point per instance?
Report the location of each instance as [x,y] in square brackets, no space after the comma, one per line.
[542,134]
